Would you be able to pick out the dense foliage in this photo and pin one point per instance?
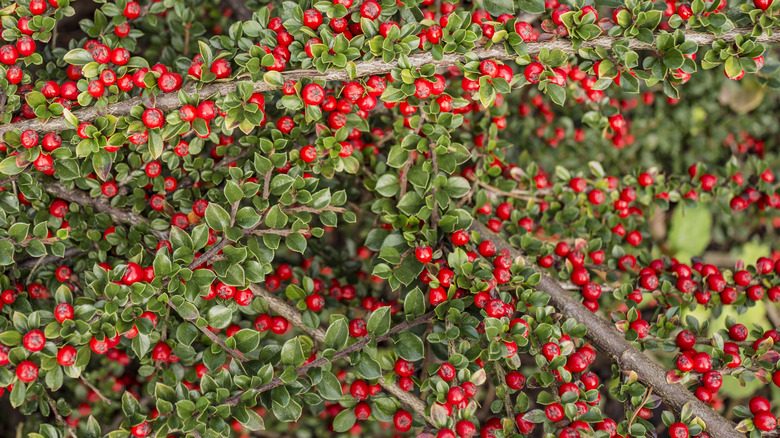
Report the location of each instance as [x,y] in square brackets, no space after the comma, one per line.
[492,218]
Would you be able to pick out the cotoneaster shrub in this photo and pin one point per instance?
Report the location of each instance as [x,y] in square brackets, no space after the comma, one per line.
[548,218]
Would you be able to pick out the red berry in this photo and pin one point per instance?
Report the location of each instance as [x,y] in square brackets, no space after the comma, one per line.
[315,302]
[424,254]
[765,421]
[161,352]
[27,371]
[313,94]
[686,340]
[515,380]
[34,340]
[402,420]
[132,10]
[554,412]
[153,118]
[312,18]
[532,72]
[66,356]
[641,326]
[362,411]
[447,372]
[141,430]
[370,9]
[678,430]
[63,311]
[404,368]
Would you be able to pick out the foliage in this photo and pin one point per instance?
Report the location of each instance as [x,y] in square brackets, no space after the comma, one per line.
[445,218]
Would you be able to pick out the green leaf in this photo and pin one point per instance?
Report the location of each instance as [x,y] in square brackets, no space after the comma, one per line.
[344,420]
[457,186]
[247,217]
[409,347]
[248,417]
[156,145]
[296,242]
[673,59]
[337,335]
[78,57]
[6,253]
[216,217]
[379,321]
[368,368]
[233,192]
[8,166]
[188,311]
[414,303]
[292,352]
[18,232]
[10,338]
[18,394]
[247,340]
[531,6]
[130,405]
[387,185]
[329,387]
[273,78]
[500,7]
[556,93]
[219,316]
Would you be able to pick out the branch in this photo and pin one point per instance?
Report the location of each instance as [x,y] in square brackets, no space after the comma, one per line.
[508,406]
[305,209]
[602,335]
[290,313]
[214,338]
[94,388]
[417,405]
[101,205]
[31,262]
[58,416]
[277,305]
[435,210]
[169,101]
[517,195]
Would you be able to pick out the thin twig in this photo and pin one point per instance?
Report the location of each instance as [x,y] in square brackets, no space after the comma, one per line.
[94,388]
[214,338]
[58,416]
[435,211]
[508,406]
[641,405]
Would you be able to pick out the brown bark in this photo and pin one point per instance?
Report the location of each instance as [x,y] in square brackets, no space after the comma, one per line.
[607,340]
[170,101]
